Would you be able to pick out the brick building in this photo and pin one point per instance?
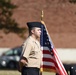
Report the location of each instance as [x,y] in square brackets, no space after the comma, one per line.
[59,16]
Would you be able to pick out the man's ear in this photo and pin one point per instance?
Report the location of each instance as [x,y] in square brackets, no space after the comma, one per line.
[32,30]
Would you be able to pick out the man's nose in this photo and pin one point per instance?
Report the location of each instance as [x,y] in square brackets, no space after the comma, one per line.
[40,32]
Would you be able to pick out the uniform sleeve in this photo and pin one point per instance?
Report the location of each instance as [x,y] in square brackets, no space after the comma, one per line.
[27,50]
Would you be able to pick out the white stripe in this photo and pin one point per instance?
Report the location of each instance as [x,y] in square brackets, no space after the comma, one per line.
[47,56]
[44,48]
[48,63]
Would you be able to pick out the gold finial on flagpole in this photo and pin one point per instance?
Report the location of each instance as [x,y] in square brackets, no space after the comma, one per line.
[42,14]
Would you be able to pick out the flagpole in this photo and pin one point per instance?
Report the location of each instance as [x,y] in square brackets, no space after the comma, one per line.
[42,15]
[41,22]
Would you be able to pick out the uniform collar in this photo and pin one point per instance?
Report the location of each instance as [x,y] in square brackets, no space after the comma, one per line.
[33,39]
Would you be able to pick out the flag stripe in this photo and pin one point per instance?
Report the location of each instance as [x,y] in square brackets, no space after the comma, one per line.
[49,60]
[48,63]
[45,66]
[47,56]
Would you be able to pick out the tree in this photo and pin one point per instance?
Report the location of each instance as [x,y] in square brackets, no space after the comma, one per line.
[72,1]
[7,24]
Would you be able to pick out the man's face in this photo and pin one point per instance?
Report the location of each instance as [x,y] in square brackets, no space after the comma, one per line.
[37,32]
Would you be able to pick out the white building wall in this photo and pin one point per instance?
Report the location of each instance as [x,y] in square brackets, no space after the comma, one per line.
[67,55]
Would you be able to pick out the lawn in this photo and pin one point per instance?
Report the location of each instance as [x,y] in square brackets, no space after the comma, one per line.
[14,72]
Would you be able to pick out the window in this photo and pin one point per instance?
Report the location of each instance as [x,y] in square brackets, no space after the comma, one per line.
[9,53]
[18,51]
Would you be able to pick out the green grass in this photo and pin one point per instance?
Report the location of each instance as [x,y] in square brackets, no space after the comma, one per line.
[14,72]
[48,73]
[9,72]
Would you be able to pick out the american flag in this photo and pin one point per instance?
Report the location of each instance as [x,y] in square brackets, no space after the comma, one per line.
[51,60]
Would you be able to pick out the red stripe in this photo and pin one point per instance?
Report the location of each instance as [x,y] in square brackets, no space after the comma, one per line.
[46,52]
[49,60]
[49,67]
